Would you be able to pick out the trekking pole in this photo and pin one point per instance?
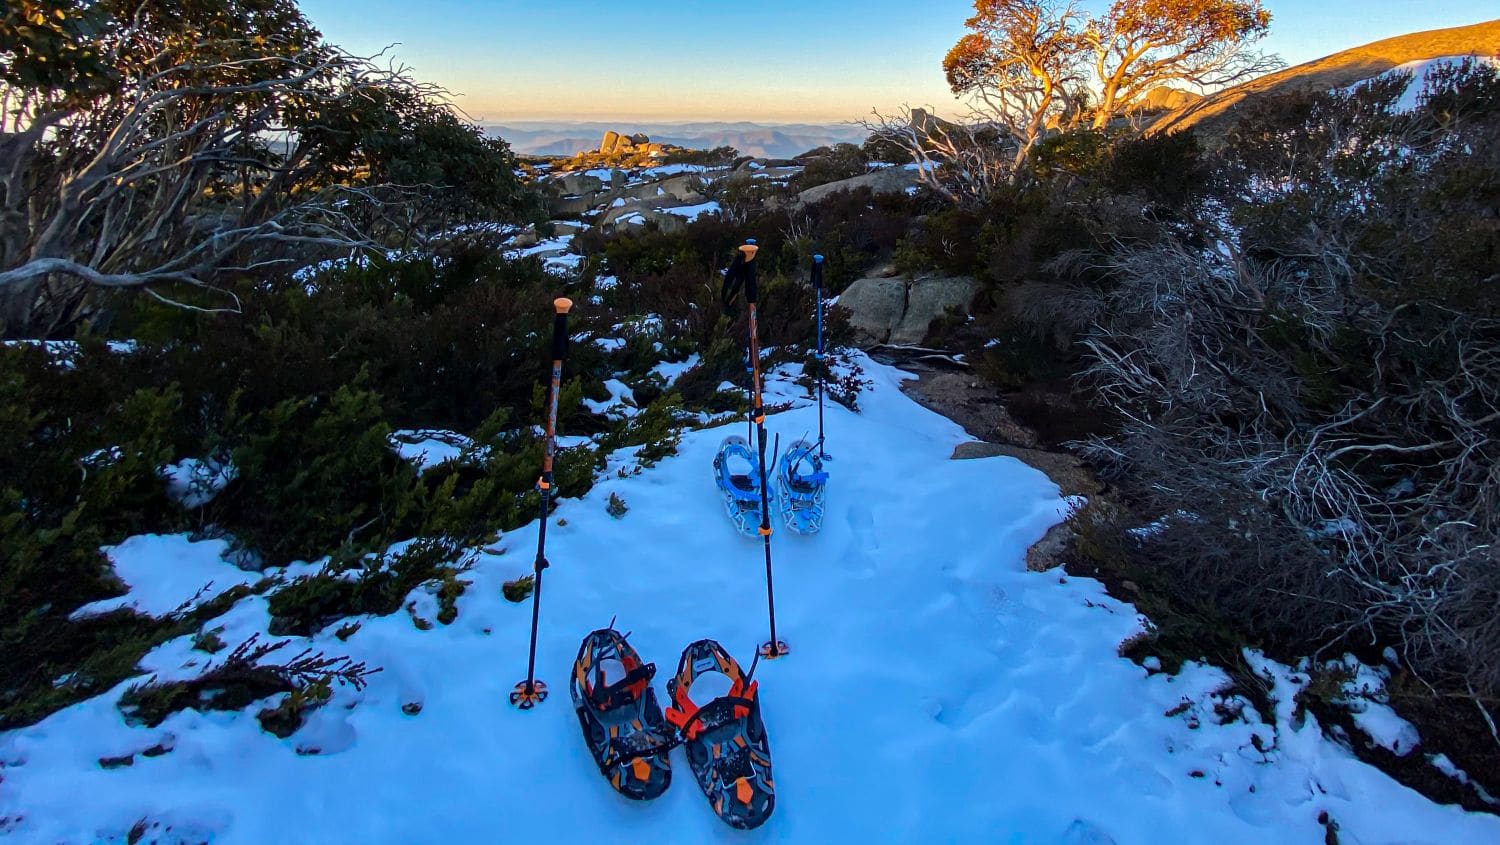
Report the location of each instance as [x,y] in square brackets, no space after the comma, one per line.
[817,280]
[773,648]
[531,692]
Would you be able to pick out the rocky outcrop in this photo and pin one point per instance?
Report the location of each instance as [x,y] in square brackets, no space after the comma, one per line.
[1164,98]
[616,143]
[1067,471]
[890,180]
[900,311]
[628,217]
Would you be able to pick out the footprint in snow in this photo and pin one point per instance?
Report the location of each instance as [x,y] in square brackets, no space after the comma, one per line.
[860,556]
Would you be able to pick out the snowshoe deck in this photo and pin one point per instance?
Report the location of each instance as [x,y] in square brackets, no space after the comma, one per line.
[802,487]
[621,720]
[740,489]
[725,740]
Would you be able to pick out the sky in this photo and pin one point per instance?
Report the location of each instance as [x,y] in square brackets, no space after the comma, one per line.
[767,61]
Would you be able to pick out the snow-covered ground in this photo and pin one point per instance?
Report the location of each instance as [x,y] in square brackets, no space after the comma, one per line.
[1421,69]
[693,212]
[936,692]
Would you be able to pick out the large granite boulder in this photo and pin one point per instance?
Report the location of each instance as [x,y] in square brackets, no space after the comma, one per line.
[900,311]
[579,183]
[571,205]
[889,180]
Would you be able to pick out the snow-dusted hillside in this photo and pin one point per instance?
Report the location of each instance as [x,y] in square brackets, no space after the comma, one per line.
[937,691]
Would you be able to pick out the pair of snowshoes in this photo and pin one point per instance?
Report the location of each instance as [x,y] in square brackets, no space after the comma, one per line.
[630,737]
[799,491]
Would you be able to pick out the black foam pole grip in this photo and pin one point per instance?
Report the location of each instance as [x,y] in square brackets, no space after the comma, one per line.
[560,328]
[752,287]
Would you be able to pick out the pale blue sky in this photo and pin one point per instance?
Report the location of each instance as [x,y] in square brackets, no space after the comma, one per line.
[784,60]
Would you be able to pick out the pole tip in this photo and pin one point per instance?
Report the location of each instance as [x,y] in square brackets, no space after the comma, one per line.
[817,259]
[562,304]
[750,249]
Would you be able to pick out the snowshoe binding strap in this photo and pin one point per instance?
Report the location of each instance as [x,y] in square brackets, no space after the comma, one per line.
[623,691]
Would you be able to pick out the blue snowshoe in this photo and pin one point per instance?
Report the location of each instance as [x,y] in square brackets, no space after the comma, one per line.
[802,485]
[737,472]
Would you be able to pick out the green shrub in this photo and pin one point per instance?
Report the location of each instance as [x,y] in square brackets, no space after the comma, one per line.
[354,587]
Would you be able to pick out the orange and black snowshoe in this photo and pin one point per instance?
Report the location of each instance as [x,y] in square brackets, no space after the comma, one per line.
[725,739]
[622,722]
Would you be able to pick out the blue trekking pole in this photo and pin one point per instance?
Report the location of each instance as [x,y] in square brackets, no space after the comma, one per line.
[817,280]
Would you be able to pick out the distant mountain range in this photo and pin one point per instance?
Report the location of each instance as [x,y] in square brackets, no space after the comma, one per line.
[765,140]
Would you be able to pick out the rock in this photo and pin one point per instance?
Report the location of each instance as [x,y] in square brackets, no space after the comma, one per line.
[637,215]
[566,227]
[896,311]
[528,237]
[1068,472]
[559,206]
[930,299]
[1053,550]
[683,188]
[611,138]
[639,139]
[579,183]
[977,449]
[891,180]
[875,307]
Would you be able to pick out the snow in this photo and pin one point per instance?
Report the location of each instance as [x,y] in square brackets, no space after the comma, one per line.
[64,353]
[670,372]
[671,170]
[1421,69]
[606,283]
[194,483]
[1365,696]
[634,217]
[621,401]
[165,572]
[428,448]
[936,690]
[562,263]
[550,245]
[693,212]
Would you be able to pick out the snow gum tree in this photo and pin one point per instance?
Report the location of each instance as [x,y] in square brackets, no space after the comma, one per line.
[179,145]
[1029,69]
